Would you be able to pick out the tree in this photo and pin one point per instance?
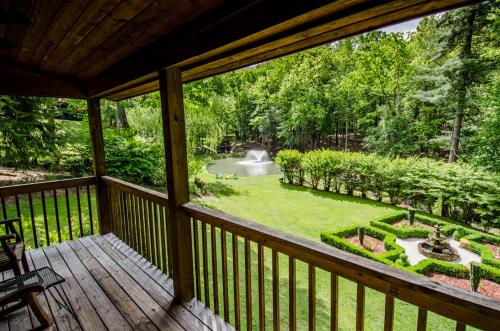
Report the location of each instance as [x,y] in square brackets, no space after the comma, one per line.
[26,134]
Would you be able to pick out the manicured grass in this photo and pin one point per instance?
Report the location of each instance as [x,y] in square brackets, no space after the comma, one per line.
[305,213]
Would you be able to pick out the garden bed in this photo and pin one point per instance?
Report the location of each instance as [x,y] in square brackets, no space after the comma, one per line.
[495,249]
[486,287]
[370,243]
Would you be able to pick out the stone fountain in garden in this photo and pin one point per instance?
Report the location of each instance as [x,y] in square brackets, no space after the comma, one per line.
[438,247]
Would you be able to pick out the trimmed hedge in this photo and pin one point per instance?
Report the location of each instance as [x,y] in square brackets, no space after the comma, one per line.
[433,265]
[490,273]
[486,254]
[336,239]
[385,223]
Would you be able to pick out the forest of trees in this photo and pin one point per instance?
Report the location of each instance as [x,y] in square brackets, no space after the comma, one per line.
[434,92]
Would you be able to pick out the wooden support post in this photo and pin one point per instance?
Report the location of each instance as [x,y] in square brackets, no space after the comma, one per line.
[174,133]
[99,162]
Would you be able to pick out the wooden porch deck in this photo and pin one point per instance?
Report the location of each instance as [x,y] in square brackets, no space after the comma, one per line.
[111,287]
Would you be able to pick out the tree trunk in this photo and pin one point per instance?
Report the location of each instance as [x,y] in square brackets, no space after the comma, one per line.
[462,93]
[346,131]
[121,116]
[337,133]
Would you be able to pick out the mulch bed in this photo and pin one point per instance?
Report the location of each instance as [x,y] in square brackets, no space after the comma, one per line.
[370,243]
[495,249]
[486,287]
[416,224]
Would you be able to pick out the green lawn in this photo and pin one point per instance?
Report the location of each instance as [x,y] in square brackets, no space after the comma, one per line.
[306,213]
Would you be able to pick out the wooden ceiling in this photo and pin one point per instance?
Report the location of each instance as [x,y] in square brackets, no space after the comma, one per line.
[114,48]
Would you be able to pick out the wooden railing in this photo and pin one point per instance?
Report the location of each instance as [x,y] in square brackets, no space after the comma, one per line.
[251,275]
[139,218]
[51,211]
[225,249]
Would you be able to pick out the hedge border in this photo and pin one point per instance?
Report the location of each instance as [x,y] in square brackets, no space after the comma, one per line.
[393,250]
[382,229]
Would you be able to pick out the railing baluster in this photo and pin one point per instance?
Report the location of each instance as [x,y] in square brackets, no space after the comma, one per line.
[68,213]
[312,297]
[262,295]
[33,224]
[248,285]
[89,208]
[196,254]
[78,204]
[460,326]
[215,277]
[389,313]
[4,208]
[292,296]
[169,242]
[164,247]
[236,282]
[18,213]
[45,221]
[151,235]
[56,212]
[276,291]
[334,302]
[138,231]
[157,236]
[126,216]
[360,307]
[205,263]
[128,213]
[144,228]
[225,295]
[422,319]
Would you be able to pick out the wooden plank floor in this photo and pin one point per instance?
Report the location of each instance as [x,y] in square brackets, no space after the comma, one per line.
[110,287]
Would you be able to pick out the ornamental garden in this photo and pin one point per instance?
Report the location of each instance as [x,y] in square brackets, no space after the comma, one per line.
[461,249]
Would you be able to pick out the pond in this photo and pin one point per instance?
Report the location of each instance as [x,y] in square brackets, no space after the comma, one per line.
[255,163]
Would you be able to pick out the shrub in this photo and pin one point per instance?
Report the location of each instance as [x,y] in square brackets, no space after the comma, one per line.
[336,239]
[312,163]
[402,231]
[475,276]
[465,193]
[432,265]
[361,234]
[490,273]
[290,161]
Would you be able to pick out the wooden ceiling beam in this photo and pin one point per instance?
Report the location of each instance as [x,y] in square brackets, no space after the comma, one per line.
[279,45]
[352,25]
[223,25]
[227,44]
[21,80]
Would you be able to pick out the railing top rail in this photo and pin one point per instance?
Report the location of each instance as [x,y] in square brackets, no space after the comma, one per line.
[146,193]
[11,190]
[455,303]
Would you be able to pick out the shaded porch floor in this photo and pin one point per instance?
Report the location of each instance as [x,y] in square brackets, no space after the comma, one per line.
[110,287]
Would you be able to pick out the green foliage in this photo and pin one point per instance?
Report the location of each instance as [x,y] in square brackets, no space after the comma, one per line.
[336,239]
[27,130]
[401,231]
[290,161]
[490,273]
[432,265]
[361,234]
[467,194]
[475,276]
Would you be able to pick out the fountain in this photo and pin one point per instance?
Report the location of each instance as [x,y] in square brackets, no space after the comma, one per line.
[438,247]
[256,157]
[255,163]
